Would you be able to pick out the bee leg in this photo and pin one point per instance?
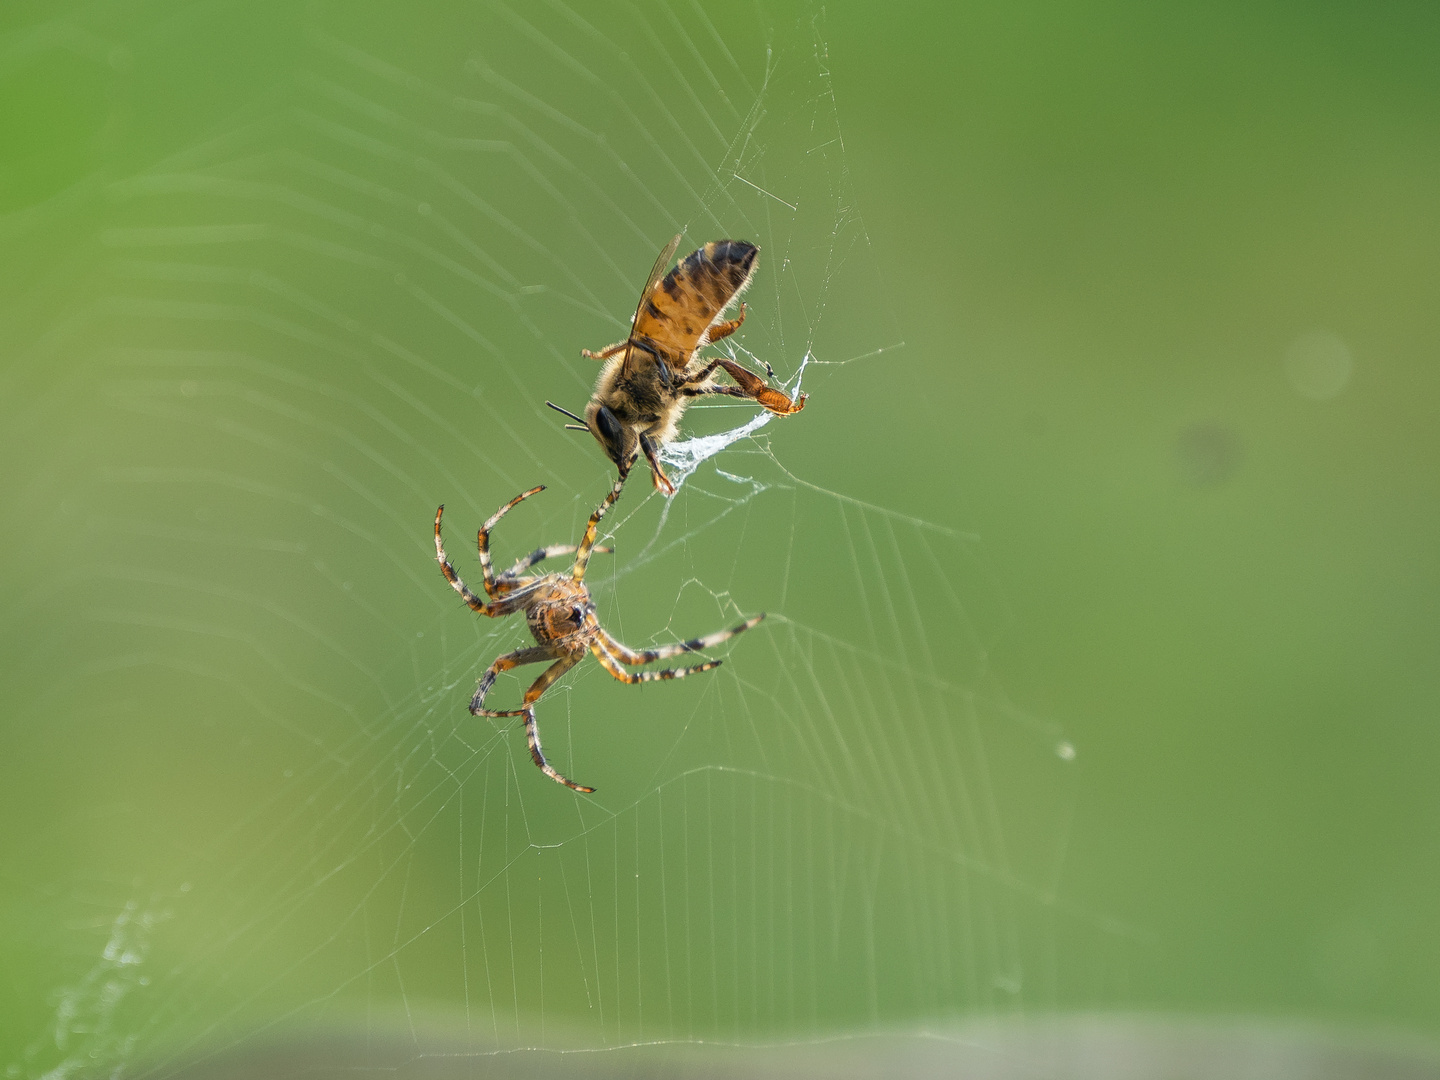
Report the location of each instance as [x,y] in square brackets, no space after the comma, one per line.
[662,369]
[702,391]
[662,482]
[699,376]
[606,353]
[726,328]
[754,387]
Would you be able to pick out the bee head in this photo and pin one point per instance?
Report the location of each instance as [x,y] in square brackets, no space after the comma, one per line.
[618,441]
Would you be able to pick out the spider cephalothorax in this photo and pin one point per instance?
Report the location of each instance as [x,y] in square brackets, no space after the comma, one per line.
[561,618]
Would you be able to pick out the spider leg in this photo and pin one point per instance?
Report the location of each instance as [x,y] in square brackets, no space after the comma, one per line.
[532,729]
[610,664]
[527,709]
[538,555]
[662,482]
[508,586]
[535,655]
[497,607]
[636,657]
[587,542]
[482,538]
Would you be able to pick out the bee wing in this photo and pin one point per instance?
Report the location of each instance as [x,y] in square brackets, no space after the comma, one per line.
[676,312]
[656,273]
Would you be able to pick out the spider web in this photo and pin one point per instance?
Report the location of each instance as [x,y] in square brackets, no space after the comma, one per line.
[346,303]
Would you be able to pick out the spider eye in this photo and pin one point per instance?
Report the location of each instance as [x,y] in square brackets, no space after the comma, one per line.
[578,615]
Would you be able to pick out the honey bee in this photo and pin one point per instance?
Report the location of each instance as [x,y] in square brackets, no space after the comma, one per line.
[651,376]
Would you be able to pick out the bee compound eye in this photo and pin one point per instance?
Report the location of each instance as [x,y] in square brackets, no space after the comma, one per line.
[612,434]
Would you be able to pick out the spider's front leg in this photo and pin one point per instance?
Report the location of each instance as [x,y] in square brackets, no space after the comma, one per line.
[497,606]
[482,539]
[587,542]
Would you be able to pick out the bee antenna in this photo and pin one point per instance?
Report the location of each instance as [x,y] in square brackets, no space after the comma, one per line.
[576,427]
[568,413]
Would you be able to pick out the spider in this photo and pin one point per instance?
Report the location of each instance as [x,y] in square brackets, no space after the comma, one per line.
[561,616]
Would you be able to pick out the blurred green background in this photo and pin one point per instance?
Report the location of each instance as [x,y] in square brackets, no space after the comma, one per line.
[1101,569]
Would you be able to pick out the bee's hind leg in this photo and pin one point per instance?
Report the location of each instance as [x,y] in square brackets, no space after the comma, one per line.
[752,386]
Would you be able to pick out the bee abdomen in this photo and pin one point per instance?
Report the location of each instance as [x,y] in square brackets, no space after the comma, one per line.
[718,270]
[675,315]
